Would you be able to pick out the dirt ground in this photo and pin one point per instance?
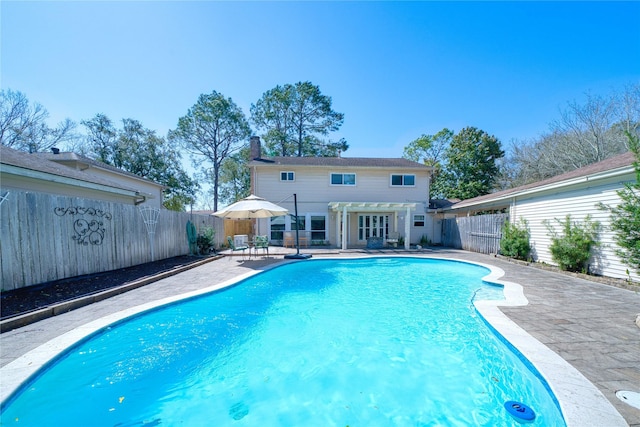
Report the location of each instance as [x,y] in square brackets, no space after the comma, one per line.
[31,298]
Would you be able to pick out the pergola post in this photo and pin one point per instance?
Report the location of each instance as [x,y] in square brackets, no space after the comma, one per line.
[407,228]
[338,225]
[344,228]
[377,208]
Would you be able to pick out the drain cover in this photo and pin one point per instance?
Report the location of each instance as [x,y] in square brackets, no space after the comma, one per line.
[629,397]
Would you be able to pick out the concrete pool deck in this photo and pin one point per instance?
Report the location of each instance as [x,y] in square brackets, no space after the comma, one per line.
[588,324]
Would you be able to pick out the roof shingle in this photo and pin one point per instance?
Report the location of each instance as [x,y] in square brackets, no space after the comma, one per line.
[339,162]
[617,162]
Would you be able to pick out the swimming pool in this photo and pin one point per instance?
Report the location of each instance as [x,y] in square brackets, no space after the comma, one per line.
[382,341]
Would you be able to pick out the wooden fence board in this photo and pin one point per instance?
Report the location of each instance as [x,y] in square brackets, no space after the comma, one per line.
[481,233]
[37,233]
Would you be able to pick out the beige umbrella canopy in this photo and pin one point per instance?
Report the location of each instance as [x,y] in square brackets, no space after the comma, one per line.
[251,207]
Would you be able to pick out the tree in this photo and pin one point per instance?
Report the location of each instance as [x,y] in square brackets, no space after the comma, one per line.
[101,138]
[584,133]
[625,217]
[629,111]
[235,177]
[295,119]
[23,126]
[138,150]
[17,115]
[273,114]
[430,150]
[470,167]
[213,129]
[181,189]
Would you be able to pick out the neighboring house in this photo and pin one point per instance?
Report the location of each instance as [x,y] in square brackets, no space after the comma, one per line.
[577,193]
[368,198]
[73,175]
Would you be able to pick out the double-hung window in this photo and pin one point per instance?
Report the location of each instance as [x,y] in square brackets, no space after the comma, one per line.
[343,179]
[287,176]
[403,180]
[318,227]
[277,227]
[418,220]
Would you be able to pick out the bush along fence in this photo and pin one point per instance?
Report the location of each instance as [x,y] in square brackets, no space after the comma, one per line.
[46,237]
[581,246]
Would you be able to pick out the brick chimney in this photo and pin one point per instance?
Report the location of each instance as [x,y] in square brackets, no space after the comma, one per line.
[255,148]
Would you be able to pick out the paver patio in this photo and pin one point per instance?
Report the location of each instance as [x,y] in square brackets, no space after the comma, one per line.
[589,324]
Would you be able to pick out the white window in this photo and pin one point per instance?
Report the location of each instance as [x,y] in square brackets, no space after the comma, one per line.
[287,176]
[343,179]
[277,227]
[403,180]
[418,220]
[318,227]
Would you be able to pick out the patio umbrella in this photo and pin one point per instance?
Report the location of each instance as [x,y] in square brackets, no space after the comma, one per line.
[251,207]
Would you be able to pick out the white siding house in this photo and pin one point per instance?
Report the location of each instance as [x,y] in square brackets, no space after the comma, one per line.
[364,197]
[576,193]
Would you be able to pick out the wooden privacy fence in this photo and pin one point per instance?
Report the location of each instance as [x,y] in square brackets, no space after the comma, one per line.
[481,233]
[237,226]
[45,237]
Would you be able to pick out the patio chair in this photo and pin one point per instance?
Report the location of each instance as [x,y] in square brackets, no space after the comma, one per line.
[393,238]
[235,248]
[289,239]
[261,242]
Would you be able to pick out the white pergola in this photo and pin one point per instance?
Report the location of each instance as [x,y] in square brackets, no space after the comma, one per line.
[343,208]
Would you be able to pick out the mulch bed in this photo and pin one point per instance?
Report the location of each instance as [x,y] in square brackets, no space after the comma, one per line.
[24,300]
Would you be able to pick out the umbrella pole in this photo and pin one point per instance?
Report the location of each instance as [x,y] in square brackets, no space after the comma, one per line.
[297,255]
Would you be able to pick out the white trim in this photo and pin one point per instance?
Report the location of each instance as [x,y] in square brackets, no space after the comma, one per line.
[74,182]
[371,206]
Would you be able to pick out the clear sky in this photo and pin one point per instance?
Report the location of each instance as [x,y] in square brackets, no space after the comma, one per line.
[395,69]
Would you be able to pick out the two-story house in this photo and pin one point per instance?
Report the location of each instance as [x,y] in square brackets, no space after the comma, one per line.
[343,202]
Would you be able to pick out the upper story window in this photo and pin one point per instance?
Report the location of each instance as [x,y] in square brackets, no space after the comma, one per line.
[403,180]
[287,176]
[343,179]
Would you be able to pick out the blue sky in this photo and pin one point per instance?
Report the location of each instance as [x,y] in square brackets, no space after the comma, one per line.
[395,69]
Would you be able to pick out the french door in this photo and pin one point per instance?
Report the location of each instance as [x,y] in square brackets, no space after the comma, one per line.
[372,226]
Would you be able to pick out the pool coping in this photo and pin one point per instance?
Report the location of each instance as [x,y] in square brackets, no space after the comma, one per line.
[568,385]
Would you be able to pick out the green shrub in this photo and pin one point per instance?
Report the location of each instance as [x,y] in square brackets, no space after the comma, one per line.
[515,240]
[571,250]
[425,241]
[205,240]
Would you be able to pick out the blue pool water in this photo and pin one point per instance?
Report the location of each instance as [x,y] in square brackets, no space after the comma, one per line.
[366,342]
